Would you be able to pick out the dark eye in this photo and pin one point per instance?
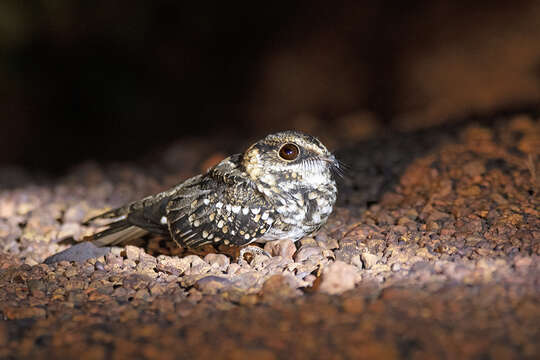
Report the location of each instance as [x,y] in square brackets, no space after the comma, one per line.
[289,152]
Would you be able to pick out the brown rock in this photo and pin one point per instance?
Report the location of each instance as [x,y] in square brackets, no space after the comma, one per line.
[326,242]
[278,286]
[132,252]
[307,252]
[338,277]
[285,248]
[212,284]
[369,260]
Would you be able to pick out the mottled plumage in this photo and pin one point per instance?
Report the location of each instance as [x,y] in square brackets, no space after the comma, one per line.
[280,187]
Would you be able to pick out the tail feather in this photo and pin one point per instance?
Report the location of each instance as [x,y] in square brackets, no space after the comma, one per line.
[118,235]
[129,222]
[117,214]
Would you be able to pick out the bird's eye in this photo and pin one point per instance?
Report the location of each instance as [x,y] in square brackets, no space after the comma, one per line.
[289,152]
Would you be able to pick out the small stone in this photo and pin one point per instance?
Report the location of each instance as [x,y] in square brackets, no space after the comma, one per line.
[259,261]
[30,261]
[35,286]
[395,267]
[347,250]
[135,281]
[114,261]
[132,252]
[356,261]
[219,261]
[307,252]
[157,289]
[326,242]
[338,277]
[212,284]
[147,258]
[248,279]
[71,272]
[369,260]
[76,213]
[172,265]
[432,226]
[308,241]
[198,265]
[142,294]
[117,250]
[68,230]
[284,248]
[128,263]
[278,287]
[233,269]
[101,295]
[74,285]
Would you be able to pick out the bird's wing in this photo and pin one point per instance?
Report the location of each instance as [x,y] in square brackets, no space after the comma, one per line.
[224,207]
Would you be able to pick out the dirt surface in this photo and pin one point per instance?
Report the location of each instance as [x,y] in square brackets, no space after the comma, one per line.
[433,252]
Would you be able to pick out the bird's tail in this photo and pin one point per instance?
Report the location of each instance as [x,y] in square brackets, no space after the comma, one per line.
[131,221]
[118,228]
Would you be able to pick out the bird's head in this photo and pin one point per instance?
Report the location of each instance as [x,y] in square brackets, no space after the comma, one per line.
[289,156]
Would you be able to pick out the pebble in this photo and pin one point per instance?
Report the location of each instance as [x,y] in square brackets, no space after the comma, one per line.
[218,261]
[326,242]
[132,252]
[278,287]
[307,252]
[212,284]
[369,260]
[284,248]
[174,265]
[338,277]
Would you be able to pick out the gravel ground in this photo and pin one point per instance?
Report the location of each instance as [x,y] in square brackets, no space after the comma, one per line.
[433,252]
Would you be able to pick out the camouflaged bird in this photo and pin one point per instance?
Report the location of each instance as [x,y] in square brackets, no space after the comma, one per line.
[281,187]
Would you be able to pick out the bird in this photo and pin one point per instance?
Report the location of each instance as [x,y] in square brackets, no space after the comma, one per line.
[281,187]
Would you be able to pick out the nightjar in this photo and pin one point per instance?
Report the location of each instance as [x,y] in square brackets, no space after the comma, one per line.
[281,187]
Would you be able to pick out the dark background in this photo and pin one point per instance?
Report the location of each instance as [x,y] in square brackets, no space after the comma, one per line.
[115,80]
